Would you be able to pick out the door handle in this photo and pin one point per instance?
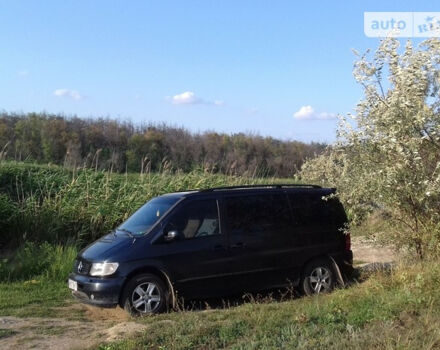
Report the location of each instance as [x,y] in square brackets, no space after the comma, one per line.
[218,247]
[238,245]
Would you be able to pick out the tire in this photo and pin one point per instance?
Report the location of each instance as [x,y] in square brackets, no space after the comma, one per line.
[318,277]
[144,295]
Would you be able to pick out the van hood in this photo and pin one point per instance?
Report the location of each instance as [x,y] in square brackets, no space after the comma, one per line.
[111,247]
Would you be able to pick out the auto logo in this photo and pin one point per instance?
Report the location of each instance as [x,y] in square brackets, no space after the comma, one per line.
[80,266]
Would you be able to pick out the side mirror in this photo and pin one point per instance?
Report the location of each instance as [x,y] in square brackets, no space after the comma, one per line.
[171,236]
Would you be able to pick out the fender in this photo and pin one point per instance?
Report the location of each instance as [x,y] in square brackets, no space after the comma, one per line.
[155,267]
[173,300]
[337,270]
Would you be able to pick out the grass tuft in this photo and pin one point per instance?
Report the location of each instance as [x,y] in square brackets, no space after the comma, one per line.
[41,261]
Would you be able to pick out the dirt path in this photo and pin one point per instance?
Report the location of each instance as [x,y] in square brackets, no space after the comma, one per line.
[99,325]
[102,325]
[366,252]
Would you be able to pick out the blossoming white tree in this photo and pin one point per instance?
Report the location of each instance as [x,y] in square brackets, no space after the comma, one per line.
[387,154]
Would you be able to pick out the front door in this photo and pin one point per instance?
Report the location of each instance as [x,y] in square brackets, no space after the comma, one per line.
[198,259]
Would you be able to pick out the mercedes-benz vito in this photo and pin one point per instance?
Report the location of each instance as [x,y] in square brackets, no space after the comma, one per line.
[217,242]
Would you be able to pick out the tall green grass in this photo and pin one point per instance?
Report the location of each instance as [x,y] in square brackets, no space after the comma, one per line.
[33,279]
[38,261]
[52,204]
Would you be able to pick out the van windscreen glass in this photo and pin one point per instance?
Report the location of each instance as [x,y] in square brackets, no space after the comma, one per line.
[146,216]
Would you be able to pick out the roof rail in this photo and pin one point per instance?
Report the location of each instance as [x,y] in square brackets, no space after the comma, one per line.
[238,187]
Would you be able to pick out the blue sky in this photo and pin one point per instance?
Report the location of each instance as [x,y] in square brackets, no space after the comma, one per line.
[228,66]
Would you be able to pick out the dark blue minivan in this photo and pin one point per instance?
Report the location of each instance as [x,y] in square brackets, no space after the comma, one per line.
[217,242]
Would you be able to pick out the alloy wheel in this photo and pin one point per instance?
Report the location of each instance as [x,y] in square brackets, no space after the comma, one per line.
[320,280]
[146,297]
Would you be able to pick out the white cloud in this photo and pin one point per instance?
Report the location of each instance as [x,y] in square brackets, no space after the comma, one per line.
[73,94]
[23,73]
[305,112]
[308,113]
[189,98]
[185,98]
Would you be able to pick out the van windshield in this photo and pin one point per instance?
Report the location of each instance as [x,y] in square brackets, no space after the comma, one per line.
[147,215]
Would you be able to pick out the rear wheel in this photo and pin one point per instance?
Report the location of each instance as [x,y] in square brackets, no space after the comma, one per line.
[318,277]
[145,294]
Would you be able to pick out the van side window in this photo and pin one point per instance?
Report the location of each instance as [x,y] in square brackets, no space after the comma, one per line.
[261,215]
[313,210]
[196,219]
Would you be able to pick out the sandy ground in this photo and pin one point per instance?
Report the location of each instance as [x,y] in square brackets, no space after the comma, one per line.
[102,325]
[366,252]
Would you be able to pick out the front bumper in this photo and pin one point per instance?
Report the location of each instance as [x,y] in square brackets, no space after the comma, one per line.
[103,292]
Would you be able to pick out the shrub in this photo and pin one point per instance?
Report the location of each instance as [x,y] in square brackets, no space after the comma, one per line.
[391,159]
[52,262]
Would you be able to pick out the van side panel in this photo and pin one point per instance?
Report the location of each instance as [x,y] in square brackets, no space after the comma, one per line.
[260,238]
[318,225]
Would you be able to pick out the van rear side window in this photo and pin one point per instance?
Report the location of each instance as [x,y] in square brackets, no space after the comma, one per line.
[314,210]
[258,215]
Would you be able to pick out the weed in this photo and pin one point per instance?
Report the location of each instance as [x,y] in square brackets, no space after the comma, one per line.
[41,261]
[4,333]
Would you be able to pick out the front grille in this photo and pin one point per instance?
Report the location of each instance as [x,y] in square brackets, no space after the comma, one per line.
[82,267]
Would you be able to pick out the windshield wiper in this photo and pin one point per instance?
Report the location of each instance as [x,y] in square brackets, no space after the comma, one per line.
[126,231]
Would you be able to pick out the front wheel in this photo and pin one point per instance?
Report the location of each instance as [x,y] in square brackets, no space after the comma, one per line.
[318,277]
[145,294]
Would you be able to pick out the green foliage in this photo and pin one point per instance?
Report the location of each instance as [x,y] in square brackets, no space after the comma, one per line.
[40,261]
[4,333]
[33,279]
[21,180]
[7,211]
[105,144]
[145,150]
[390,160]
[58,206]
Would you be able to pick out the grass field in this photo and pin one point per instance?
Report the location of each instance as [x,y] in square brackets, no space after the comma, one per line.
[49,203]
[32,298]
[33,280]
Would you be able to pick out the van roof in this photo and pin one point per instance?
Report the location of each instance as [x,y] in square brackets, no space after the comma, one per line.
[256,188]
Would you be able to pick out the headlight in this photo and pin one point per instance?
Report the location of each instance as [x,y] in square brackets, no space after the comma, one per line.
[103,269]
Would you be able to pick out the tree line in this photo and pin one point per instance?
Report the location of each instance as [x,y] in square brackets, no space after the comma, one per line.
[119,146]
